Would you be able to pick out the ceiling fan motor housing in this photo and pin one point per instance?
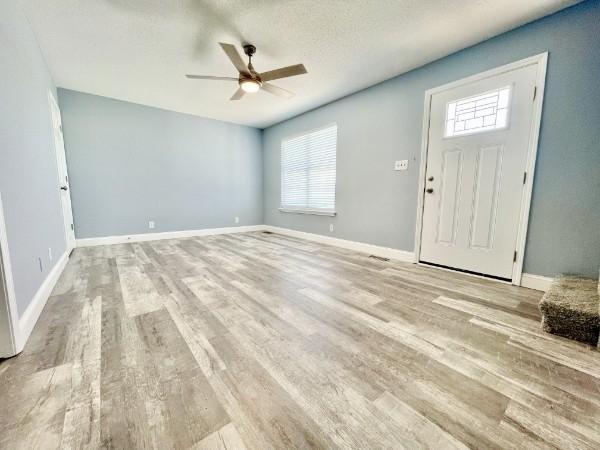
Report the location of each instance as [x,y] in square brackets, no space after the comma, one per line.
[249,50]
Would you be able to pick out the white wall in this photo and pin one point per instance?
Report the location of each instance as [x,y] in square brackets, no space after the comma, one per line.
[130,164]
[28,170]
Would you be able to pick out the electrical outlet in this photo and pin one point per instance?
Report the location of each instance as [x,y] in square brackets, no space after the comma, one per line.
[151,224]
[401,165]
[50,253]
[237,220]
[330,227]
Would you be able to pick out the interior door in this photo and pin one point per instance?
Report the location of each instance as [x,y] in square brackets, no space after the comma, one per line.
[63,176]
[9,319]
[476,160]
[7,341]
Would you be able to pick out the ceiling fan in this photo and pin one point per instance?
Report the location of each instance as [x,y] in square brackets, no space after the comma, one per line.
[249,80]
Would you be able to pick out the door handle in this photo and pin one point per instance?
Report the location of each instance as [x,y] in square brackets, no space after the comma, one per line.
[429,190]
[64,188]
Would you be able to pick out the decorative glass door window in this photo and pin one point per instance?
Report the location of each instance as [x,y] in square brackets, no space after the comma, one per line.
[484,112]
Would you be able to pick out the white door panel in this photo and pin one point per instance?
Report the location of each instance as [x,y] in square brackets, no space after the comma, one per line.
[485,197]
[450,193]
[477,154]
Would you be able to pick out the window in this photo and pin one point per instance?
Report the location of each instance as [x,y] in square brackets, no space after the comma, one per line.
[308,172]
[484,112]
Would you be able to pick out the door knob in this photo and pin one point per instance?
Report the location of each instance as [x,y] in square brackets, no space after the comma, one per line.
[429,190]
[64,188]
[430,179]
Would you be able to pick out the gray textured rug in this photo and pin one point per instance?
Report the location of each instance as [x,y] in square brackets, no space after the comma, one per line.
[571,309]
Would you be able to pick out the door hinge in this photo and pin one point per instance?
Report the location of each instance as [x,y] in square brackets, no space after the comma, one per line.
[72,228]
[524,177]
[534,92]
[515,257]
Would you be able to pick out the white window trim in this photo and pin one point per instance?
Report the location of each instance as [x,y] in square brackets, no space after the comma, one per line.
[309,131]
[315,212]
[309,211]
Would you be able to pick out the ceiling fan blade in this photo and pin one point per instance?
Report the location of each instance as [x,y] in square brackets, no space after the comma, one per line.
[209,77]
[235,57]
[284,72]
[276,90]
[238,94]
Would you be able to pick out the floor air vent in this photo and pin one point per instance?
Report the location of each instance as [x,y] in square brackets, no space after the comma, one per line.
[380,258]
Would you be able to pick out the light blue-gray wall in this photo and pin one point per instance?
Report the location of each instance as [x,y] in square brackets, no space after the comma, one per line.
[129,164]
[383,123]
[28,171]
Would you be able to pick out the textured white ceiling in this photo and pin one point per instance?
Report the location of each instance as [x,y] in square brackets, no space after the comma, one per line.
[139,50]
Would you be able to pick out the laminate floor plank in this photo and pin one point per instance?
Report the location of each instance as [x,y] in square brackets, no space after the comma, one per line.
[264,341]
[281,421]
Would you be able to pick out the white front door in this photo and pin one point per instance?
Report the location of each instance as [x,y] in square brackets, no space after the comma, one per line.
[474,180]
[63,177]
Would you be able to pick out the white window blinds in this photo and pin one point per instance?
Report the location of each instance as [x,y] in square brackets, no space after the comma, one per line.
[308,171]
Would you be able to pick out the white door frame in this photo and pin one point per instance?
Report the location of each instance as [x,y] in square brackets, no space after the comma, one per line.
[11,342]
[541,60]
[70,243]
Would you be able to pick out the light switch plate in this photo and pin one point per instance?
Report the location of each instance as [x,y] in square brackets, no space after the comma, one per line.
[151,224]
[401,165]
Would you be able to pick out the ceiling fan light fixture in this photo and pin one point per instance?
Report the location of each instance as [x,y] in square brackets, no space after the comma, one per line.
[250,86]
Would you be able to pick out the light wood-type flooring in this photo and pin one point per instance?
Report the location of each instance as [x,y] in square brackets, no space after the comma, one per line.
[263,341]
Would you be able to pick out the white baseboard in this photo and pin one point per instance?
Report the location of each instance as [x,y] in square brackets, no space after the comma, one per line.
[29,318]
[536,282]
[530,281]
[384,252]
[109,240]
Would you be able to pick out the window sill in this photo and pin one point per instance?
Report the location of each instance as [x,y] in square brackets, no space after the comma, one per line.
[314,212]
